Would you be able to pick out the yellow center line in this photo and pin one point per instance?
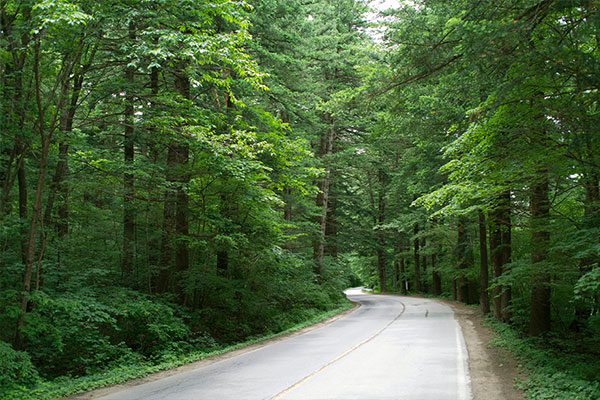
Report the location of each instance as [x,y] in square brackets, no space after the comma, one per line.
[344,354]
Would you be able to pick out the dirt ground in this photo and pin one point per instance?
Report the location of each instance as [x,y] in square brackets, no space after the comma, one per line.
[492,370]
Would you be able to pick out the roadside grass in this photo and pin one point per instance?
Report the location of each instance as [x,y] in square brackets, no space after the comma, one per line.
[66,386]
[557,368]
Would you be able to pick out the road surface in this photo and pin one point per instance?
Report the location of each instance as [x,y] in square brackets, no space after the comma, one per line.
[389,348]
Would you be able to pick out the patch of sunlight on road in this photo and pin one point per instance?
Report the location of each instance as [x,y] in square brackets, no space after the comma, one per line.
[355,291]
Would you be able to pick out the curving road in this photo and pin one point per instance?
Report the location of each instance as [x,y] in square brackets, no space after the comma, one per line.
[390,348]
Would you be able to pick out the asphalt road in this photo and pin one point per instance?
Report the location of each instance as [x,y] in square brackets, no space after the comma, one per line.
[390,348]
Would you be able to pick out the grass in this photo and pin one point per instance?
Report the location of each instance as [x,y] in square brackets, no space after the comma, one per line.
[66,386]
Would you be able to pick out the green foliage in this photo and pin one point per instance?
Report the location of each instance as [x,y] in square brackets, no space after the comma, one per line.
[177,213]
[16,369]
[84,332]
[202,347]
[556,367]
[587,292]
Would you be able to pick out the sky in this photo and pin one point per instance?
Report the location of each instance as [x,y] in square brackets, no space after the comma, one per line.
[384,4]
[377,33]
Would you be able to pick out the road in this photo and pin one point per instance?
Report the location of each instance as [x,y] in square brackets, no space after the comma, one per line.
[389,348]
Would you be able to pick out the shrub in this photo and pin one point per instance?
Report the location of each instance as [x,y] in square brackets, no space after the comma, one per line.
[16,368]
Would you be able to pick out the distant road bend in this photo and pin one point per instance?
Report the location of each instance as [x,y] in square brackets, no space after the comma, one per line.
[390,348]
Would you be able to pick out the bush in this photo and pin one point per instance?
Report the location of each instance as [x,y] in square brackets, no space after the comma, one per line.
[85,332]
[71,334]
[556,368]
[16,368]
[146,325]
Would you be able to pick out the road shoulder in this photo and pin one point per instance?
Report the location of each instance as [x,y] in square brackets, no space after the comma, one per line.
[493,370]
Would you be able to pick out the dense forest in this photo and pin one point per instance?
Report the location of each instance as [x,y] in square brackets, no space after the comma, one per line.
[179,176]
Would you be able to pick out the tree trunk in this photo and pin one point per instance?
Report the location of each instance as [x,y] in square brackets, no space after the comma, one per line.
[46,133]
[9,178]
[222,262]
[454,286]
[168,226]
[436,279]
[591,181]
[153,245]
[424,266]
[57,186]
[396,277]
[396,273]
[506,238]
[22,180]
[380,233]
[326,148]
[484,299]
[287,191]
[287,207]
[182,257]
[13,78]
[539,321]
[62,225]
[592,193]
[331,248]
[128,178]
[35,217]
[403,278]
[500,254]
[461,250]
[496,261]
[381,269]
[417,260]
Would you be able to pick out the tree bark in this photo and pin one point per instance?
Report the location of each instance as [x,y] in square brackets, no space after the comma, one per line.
[424,266]
[287,207]
[17,157]
[380,233]
[331,248]
[326,148]
[539,321]
[591,181]
[395,274]
[46,132]
[22,181]
[153,244]
[417,260]
[436,279]
[168,225]
[62,225]
[18,46]
[396,277]
[461,250]
[496,260]
[57,185]
[128,178]
[222,262]
[484,299]
[182,226]
[506,238]
[399,263]
[500,254]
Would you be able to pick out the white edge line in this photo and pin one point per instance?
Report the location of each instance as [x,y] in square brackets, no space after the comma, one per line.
[462,370]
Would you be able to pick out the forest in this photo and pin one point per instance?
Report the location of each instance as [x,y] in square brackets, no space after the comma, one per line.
[178,177]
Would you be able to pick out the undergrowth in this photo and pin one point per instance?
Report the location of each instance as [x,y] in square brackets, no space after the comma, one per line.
[557,368]
[136,368]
